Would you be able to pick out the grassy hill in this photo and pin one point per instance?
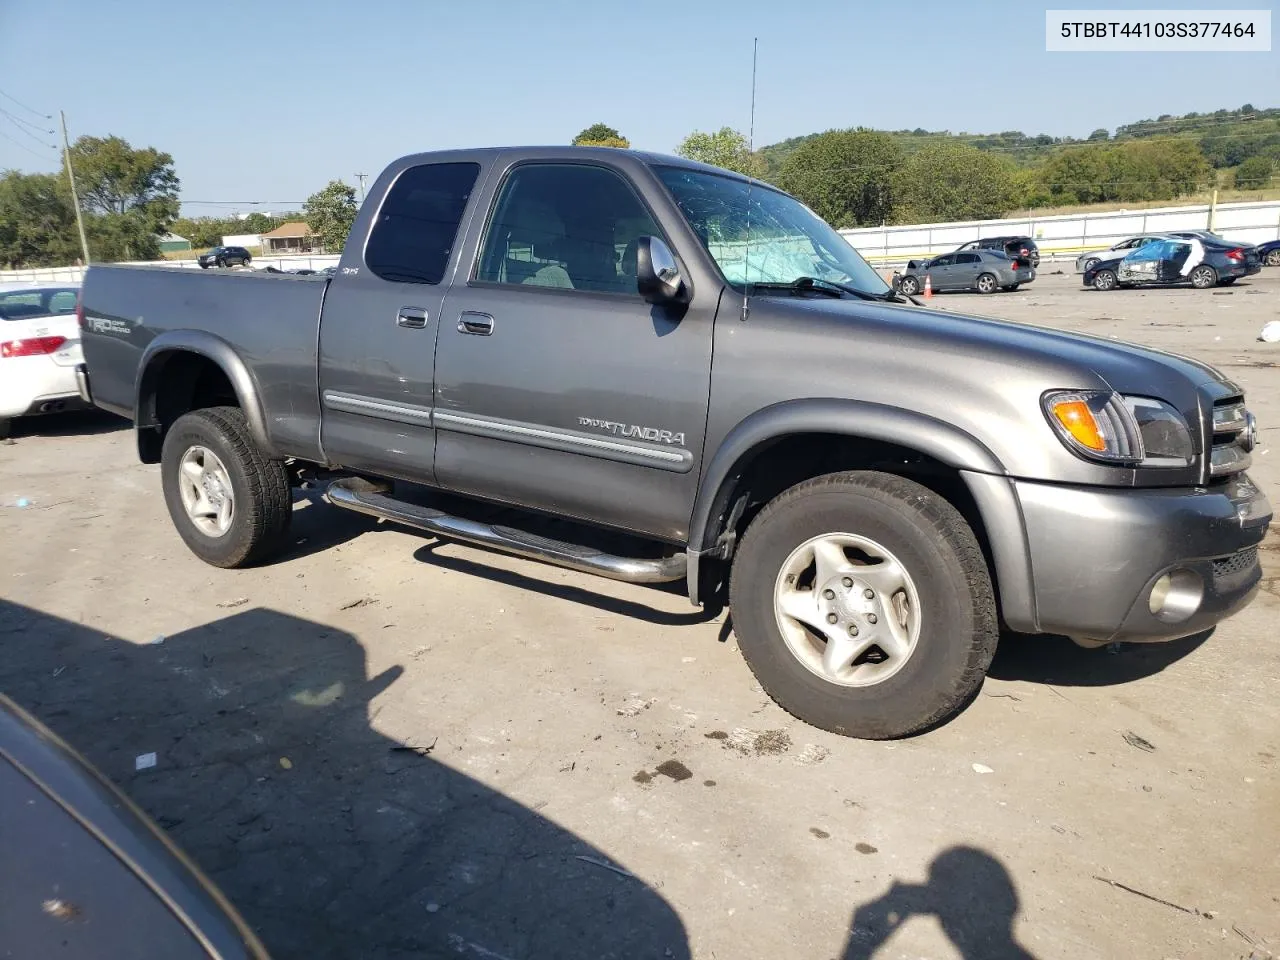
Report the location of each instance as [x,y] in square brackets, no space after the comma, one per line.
[1226,137]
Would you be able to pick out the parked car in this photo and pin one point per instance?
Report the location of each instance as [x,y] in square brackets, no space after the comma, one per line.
[225,257]
[1119,250]
[1012,247]
[39,350]
[1165,262]
[1269,253]
[534,327]
[983,270]
[86,874]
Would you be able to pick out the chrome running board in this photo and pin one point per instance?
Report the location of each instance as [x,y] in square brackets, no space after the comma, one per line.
[362,496]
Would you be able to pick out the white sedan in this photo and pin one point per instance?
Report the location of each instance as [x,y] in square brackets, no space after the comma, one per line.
[39,349]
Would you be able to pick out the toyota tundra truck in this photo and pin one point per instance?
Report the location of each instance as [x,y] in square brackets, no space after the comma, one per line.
[655,347]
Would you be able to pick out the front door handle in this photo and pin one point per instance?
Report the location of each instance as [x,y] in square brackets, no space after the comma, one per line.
[413,317]
[473,322]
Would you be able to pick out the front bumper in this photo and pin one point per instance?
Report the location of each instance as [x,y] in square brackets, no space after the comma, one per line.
[1097,553]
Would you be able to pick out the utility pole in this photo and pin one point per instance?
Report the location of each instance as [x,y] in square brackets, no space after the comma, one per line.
[75,197]
[362,177]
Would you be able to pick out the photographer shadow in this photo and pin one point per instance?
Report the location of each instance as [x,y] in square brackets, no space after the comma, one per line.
[332,839]
[968,891]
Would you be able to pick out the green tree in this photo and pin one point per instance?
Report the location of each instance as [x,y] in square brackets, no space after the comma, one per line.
[37,221]
[601,135]
[948,181]
[1255,173]
[726,148]
[1100,134]
[204,231]
[845,176]
[130,195]
[330,213]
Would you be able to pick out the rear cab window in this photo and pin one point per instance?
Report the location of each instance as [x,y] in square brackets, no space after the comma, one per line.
[417,226]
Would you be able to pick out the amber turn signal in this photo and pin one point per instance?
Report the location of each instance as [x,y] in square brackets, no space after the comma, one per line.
[1078,420]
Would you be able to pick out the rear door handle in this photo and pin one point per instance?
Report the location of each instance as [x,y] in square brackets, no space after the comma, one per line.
[413,317]
[473,322]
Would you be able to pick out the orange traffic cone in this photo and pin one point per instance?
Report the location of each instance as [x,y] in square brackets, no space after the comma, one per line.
[928,287]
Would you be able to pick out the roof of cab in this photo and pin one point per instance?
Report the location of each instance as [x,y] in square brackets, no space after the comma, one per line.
[547,151]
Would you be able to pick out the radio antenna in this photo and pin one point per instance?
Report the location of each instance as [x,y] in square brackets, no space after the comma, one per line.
[751,146]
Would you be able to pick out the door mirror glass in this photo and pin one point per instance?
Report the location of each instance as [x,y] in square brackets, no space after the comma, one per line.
[657,274]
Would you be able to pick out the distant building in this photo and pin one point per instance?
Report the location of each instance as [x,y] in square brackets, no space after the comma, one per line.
[292,237]
[170,242]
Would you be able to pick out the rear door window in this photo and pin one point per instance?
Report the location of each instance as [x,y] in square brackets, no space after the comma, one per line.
[413,237]
[968,258]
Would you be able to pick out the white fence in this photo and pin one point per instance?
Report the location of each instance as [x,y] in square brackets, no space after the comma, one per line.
[75,274]
[1064,235]
[1068,235]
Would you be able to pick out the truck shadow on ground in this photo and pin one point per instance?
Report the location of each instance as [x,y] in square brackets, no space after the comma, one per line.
[331,839]
[969,893]
[430,553]
[1059,661]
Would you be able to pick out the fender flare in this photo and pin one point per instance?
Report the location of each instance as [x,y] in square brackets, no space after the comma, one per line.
[869,421]
[223,355]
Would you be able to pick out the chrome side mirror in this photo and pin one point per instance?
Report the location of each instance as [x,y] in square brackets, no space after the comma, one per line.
[657,274]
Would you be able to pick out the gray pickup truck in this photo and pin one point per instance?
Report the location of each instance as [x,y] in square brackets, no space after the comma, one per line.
[667,350]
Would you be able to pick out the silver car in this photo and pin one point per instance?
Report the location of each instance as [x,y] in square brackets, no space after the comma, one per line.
[983,270]
[1087,261]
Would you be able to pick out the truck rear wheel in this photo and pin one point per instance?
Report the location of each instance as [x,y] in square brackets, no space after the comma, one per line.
[230,504]
[863,605]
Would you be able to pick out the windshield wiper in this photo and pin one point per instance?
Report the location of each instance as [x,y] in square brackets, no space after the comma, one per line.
[832,289]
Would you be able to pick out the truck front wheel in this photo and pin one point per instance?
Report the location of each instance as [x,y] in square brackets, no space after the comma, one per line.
[863,605]
[230,504]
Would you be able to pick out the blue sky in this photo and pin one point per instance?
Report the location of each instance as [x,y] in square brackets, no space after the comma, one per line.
[267,101]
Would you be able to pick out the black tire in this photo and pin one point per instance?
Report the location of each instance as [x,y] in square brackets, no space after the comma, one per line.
[987,283]
[1010,288]
[1227,281]
[909,285]
[6,427]
[958,628]
[204,266]
[1273,258]
[263,500]
[1203,277]
[1105,280]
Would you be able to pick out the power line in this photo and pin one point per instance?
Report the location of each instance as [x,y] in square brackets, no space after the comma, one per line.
[25,123]
[46,116]
[28,133]
[23,146]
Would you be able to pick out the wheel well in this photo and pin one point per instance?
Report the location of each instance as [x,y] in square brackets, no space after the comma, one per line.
[771,468]
[176,383]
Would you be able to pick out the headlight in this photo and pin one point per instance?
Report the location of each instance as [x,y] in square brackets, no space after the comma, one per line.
[1137,431]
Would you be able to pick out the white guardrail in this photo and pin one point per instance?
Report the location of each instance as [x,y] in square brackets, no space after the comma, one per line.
[1059,237]
[1068,235]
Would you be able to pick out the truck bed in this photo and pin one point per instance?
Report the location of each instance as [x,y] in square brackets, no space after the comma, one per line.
[270,320]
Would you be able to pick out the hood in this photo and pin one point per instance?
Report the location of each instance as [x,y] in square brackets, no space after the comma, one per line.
[984,375]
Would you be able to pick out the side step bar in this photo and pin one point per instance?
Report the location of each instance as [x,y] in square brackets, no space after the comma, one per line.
[362,496]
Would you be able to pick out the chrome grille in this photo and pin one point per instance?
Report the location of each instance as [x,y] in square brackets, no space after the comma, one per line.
[1233,435]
